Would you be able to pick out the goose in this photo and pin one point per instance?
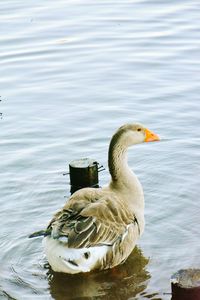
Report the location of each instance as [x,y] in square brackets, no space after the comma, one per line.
[98,228]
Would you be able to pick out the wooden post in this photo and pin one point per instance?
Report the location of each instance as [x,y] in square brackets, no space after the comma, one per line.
[83,173]
[186,285]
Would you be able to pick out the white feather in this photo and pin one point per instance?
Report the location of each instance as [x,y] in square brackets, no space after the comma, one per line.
[71,260]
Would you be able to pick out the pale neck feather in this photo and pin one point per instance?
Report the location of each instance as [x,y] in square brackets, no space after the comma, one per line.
[123,180]
[118,162]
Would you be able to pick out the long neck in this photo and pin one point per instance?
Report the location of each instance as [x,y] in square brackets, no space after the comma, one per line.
[117,162]
[124,181]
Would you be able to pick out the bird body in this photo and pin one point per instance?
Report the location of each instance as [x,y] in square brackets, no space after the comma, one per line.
[98,227]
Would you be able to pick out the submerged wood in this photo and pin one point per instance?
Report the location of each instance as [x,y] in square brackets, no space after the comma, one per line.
[83,173]
[186,285]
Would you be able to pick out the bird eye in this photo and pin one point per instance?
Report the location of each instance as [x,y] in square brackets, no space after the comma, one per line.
[139,129]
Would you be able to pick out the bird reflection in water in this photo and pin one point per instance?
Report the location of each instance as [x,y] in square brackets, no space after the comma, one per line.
[122,282]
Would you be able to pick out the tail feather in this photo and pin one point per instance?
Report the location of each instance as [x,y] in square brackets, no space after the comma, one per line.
[39,233]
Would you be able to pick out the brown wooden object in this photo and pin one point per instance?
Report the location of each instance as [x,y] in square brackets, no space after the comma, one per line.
[83,173]
[185,285]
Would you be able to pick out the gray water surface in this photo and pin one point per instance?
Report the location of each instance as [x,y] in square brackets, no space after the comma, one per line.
[71,72]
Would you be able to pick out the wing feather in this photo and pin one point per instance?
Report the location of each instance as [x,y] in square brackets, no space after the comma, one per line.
[91,223]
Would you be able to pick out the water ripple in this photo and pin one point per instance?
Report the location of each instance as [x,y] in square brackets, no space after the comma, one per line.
[71,74]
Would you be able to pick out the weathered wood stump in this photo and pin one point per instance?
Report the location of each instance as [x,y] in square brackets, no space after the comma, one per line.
[83,173]
[186,285]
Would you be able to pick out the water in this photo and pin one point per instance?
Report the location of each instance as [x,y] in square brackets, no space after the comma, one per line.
[71,73]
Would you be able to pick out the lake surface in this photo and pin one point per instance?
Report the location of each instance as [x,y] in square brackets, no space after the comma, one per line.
[71,73]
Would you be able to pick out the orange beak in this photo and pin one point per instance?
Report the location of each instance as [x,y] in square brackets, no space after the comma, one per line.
[151,136]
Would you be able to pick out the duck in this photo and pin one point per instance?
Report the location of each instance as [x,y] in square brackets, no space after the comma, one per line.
[98,228]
